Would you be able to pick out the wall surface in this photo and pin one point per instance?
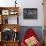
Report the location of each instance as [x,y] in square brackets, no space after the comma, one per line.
[31,4]
[26,4]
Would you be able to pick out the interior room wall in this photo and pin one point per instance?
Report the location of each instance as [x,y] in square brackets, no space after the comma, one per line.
[31,4]
[26,4]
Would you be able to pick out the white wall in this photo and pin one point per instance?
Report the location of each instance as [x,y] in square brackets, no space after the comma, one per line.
[27,4]
[32,4]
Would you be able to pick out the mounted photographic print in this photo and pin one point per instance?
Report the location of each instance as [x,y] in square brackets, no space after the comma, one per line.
[5,12]
[30,13]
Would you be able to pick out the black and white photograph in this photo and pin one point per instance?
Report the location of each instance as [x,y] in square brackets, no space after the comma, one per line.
[30,13]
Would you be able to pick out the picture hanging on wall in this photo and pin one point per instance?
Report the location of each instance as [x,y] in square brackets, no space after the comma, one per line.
[30,13]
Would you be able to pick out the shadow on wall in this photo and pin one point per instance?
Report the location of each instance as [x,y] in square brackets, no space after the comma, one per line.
[37,29]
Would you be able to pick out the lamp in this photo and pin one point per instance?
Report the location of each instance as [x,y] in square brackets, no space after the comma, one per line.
[15,3]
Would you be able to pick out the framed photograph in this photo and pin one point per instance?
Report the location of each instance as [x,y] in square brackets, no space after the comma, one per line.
[13,12]
[5,12]
[30,13]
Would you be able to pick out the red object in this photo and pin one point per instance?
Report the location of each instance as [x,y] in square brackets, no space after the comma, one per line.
[29,33]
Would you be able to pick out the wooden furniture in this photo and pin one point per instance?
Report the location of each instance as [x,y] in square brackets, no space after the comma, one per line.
[44,8]
[44,35]
[10,43]
[8,23]
[8,11]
